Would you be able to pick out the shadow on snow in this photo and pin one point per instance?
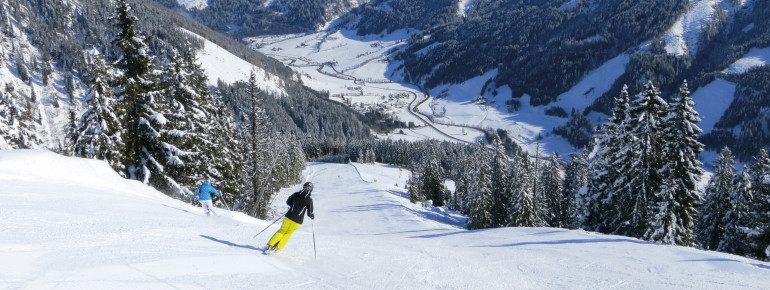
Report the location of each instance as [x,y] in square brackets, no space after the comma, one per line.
[230,243]
[574,241]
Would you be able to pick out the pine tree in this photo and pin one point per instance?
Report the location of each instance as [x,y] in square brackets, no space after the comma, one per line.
[576,178]
[188,126]
[673,209]
[736,221]
[258,159]
[552,191]
[597,202]
[98,132]
[522,208]
[639,178]
[500,180]
[432,180]
[136,61]
[760,190]
[222,149]
[19,128]
[463,180]
[479,197]
[144,154]
[6,119]
[710,226]
[414,184]
[21,68]
[47,69]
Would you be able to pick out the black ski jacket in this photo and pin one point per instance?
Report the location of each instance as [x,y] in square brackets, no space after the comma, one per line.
[299,203]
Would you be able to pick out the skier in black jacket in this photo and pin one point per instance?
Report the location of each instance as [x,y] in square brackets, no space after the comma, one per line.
[300,204]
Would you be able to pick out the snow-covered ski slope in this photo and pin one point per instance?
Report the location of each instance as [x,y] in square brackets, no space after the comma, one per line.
[69,223]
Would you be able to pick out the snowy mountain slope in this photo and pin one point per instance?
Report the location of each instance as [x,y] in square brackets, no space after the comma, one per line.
[754,58]
[685,35]
[193,4]
[48,103]
[69,223]
[366,58]
[220,64]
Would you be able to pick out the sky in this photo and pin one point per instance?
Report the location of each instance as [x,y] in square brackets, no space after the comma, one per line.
[72,223]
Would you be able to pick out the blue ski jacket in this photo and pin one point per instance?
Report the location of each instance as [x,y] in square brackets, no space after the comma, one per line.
[205,191]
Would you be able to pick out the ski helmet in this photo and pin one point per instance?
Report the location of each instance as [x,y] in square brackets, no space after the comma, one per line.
[307,187]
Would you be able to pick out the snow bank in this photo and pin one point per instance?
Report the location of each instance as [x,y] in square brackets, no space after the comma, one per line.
[35,165]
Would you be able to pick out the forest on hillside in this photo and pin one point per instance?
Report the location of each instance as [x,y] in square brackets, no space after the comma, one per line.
[542,49]
[138,100]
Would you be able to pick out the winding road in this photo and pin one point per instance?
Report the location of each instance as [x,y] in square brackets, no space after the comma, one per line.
[299,62]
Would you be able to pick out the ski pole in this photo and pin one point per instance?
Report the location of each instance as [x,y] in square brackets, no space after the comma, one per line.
[268,226]
[312,227]
[225,202]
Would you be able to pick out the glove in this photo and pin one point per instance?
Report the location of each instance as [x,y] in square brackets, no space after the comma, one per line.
[312,216]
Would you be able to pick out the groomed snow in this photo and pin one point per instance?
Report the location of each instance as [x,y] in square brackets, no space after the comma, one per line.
[70,223]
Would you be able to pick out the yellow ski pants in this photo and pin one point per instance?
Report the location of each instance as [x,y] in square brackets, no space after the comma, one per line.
[282,236]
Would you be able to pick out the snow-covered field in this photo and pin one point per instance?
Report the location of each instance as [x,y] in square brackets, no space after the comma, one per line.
[364,76]
[220,64]
[70,223]
[754,58]
[193,4]
[337,62]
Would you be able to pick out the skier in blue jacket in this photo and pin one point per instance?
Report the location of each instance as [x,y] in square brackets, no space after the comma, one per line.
[203,194]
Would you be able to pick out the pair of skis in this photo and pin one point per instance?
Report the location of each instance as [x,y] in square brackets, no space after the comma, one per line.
[271,249]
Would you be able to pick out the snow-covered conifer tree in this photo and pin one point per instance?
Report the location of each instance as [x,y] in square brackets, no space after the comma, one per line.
[552,191]
[139,97]
[17,125]
[5,120]
[596,203]
[258,158]
[98,132]
[458,200]
[432,179]
[188,127]
[414,184]
[576,177]
[735,238]
[479,197]
[639,178]
[673,208]
[501,178]
[522,208]
[710,224]
[222,150]
[760,189]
